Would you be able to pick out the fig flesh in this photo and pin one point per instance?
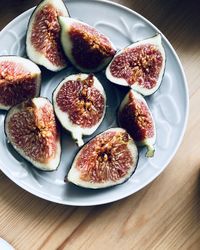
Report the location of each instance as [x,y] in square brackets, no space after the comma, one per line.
[140,66]
[107,160]
[31,129]
[19,80]
[135,116]
[79,103]
[86,48]
[43,35]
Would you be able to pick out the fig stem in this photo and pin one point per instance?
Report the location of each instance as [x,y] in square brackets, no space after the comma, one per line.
[78,138]
[80,142]
[150,151]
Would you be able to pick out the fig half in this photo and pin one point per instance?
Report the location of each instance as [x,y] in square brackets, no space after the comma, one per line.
[135,116]
[31,129]
[86,48]
[107,160]
[20,80]
[80,102]
[140,66]
[43,35]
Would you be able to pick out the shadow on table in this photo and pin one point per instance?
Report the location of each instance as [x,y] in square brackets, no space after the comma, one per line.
[176,19]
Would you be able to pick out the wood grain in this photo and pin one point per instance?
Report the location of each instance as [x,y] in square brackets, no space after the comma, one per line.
[164,215]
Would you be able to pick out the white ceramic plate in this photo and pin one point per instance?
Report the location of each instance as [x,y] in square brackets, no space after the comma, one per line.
[4,245]
[169,106]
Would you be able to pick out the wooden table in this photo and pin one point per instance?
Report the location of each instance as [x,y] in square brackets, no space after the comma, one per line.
[164,215]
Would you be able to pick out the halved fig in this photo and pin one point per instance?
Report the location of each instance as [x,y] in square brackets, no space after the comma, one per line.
[32,130]
[107,160]
[43,35]
[140,66]
[19,80]
[135,116]
[80,102]
[86,48]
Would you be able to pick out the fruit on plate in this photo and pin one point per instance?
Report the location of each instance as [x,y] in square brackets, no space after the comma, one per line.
[19,80]
[140,66]
[32,130]
[107,160]
[135,116]
[86,48]
[43,35]
[79,103]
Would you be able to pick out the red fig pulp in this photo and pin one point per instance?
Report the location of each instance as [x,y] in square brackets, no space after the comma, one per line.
[32,130]
[107,160]
[135,116]
[19,80]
